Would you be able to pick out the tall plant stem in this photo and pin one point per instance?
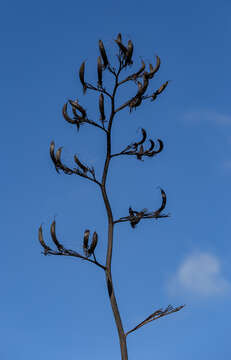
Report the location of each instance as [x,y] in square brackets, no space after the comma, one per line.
[111,292]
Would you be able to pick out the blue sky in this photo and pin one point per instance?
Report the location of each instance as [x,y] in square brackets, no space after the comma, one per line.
[56,308]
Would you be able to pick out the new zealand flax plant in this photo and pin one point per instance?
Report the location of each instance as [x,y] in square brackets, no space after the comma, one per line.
[141,79]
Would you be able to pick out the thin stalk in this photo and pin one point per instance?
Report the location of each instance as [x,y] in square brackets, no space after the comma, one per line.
[111,292]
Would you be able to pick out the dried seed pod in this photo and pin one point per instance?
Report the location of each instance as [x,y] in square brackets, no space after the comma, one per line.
[99,70]
[82,167]
[122,47]
[93,244]
[103,54]
[52,155]
[153,70]
[134,76]
[143,88]
[135,102]
[129,53]
[85,241]
[65,115]
[58,155]
[101,107]
[161,145]
[119,37]
[161,89]
[54,238]
[42,242]
[164,200]
[144,137]
[152,145]
[81,77]
[76,105]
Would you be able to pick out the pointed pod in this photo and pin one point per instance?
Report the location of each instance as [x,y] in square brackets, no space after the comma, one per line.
[103,54]
[82,167]
[143,88]
[153,70]
[134,76]
[164,200]
[52,152]
[85,241]
[58,155]
[76,105]
[144,136]
[65,115]
[129,53]
[41,240]
[119,37]
[93,244]
[122,47]
[101,107]
[151,146]
[161,89]
[99,71]
[54,238]
[81,77]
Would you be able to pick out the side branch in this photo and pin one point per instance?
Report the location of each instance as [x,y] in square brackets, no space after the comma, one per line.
[62,251]
[156,315]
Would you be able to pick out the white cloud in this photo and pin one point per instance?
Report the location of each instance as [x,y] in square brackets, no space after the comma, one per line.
[199,273]
[208,115]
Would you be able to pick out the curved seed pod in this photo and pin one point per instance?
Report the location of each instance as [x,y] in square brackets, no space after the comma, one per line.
[103,54]
[129,53]
[54,238]
[152,145]
[164,200]
[119,37]
[154,152]
[122,47]
[142,89]
[136,101]
[161,89]
[76,105]
[139,71]
[144,136]
[81,77]
[153,70]
[42,242]
[84,168]
[93,244]
[99,70]
[65,115]
[58,155]
[161,146]
[101,107]
[52,152]
[52,155]
[85,241]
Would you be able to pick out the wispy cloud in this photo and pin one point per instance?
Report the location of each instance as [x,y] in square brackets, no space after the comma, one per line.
[200,274]
[208,115]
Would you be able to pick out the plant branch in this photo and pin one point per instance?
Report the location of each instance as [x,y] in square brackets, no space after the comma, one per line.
[156,315]
[73,254]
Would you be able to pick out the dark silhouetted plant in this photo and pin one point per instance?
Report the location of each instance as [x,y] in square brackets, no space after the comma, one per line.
[141,79]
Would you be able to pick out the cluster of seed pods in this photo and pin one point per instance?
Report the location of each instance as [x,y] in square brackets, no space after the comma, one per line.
[87,249]
[81,170]
[135,216]
[137,148]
